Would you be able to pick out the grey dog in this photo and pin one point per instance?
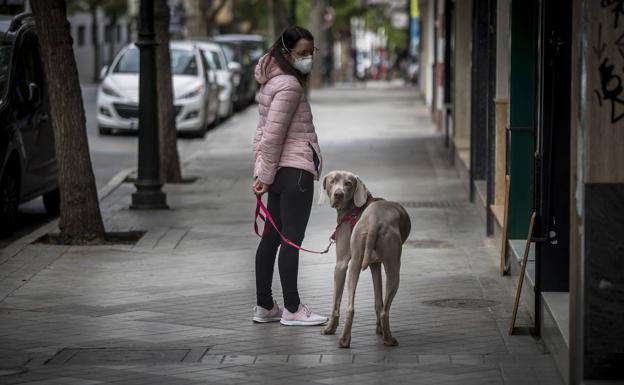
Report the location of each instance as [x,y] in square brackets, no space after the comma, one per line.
[370,232]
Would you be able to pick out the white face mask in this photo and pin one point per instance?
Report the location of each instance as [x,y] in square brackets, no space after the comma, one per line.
[303,65]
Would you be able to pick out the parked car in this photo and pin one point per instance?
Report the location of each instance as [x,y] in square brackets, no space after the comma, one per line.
[245,50]
[196,100]
[213,53]
[28,166]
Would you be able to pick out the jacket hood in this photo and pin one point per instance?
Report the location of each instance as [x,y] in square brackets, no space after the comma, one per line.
[272,69]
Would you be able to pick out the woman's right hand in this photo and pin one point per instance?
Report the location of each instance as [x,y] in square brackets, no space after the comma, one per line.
[259,187]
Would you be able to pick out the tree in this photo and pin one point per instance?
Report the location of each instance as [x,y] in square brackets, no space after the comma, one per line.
[204,17]
[80,217]
[113,9]
[317,29]
[169,159]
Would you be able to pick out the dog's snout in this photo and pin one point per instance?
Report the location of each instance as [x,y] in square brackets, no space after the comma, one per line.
[338,194]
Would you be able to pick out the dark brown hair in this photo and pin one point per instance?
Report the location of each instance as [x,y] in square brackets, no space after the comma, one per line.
[284,43]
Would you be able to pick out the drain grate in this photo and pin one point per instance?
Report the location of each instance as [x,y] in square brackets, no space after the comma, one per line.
[428,244]
[462,303]
[433,204]
[115,356]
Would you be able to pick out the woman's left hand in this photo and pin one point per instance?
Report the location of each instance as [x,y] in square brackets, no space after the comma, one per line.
[259,187]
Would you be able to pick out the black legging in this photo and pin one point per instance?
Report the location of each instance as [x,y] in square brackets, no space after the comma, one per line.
[290,202]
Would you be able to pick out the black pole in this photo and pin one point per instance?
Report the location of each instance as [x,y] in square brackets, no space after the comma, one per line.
[293,12]
[149,194]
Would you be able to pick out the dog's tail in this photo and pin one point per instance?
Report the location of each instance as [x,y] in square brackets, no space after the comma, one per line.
[369,245]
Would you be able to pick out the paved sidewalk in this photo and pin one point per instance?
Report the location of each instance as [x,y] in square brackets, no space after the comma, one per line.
[176,307]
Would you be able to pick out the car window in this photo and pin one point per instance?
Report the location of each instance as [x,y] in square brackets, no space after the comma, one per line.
[216,60]
[183,62]
[128,63]
[5,59]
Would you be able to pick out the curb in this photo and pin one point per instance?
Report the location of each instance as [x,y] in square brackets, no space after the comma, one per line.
[17,246]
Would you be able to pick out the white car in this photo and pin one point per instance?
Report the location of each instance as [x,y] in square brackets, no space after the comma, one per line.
[195,97]
[213,53]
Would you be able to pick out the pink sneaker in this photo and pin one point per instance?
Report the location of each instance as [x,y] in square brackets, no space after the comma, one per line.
[262,315]
[302,317]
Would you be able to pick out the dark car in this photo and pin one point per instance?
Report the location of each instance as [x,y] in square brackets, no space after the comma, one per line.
[245,50]
[27,159]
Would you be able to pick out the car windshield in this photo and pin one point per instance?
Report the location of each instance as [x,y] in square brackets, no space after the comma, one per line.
[256,50]
[230,53]
[5,60]
[182,62]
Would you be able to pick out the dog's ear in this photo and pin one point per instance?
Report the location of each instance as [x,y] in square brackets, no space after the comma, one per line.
[322,191]
[361,193]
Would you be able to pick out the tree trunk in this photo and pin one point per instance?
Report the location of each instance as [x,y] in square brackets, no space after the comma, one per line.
[169,160]
[271,19]
[213,29]
[80,219]
[95,40]
[316,27]
[113,37]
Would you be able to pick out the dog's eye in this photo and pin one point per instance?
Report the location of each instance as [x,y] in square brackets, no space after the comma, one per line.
[348,184]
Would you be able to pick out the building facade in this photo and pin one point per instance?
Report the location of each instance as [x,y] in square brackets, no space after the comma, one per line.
[528,97]
[103,34]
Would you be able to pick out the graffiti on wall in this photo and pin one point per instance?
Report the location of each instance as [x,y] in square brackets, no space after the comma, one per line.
[617,8]
[611,87]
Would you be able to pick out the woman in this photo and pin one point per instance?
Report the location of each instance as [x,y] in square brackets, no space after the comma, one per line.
[287,161]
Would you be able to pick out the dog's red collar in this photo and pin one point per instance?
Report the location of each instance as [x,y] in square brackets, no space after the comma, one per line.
[353,216]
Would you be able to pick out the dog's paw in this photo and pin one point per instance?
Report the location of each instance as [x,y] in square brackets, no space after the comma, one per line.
[391,341]
[379,330]
[328,330]
[344,342]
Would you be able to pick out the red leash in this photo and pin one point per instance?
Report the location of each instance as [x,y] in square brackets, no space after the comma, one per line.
[261,207]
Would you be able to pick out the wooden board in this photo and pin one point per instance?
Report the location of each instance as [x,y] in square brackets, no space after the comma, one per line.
[525,258]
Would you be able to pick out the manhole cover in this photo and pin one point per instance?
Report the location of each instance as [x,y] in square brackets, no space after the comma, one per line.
[433,204]
[428,244]
[462,303]
[104,356]
[11,371]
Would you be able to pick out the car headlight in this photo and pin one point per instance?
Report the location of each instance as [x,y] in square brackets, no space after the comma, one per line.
[110,92]
[196,91]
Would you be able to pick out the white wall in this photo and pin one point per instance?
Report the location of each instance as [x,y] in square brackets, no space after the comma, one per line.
[85,52]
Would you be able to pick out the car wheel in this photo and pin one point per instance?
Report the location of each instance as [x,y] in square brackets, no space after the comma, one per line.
[105,130]
[52,202]
[9,201]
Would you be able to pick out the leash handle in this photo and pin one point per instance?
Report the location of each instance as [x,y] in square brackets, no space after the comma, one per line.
[260,209]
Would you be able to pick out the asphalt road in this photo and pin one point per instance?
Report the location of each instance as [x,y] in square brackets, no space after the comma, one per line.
[109,155]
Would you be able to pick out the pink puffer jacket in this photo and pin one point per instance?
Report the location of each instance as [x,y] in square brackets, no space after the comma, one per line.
[285,135]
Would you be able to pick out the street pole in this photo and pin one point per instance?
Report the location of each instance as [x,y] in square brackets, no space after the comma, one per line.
[293,12]
[149,194]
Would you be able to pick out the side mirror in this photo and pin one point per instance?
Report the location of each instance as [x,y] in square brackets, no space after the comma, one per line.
[34,94]
[103,72]
[235,66]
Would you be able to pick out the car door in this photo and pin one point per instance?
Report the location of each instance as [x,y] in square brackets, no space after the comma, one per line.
[32,119]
